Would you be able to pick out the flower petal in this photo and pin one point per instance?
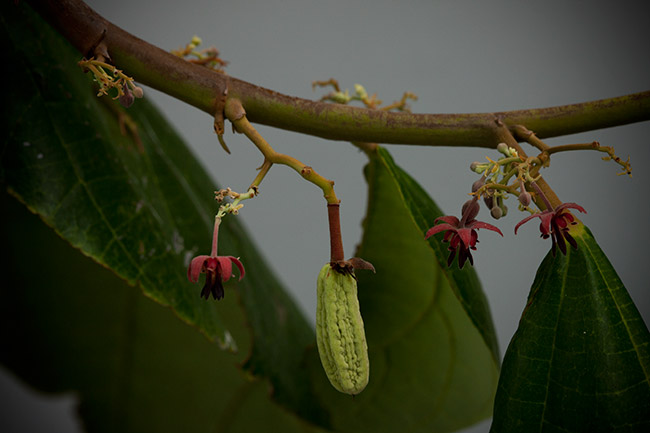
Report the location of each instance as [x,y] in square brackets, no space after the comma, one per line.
[463,255]
[557,234]
[439,228]
[525,220]
[571,240]
[482,225]
[195,268]
[225,268]
[240,266]
[465,236]
[452,254]
[213,285]
[570,206]
[547,219]
[449,219]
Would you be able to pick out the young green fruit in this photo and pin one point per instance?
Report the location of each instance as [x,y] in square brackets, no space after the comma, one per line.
[339,332]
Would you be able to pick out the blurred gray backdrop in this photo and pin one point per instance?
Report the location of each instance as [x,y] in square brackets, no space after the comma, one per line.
[457,56]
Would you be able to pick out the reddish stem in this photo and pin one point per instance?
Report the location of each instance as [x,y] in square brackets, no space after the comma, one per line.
[215,237]
[336,242]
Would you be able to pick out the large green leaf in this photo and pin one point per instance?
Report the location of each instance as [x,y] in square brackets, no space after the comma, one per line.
[580,359]
[143,215]
[67,323]
[431,367]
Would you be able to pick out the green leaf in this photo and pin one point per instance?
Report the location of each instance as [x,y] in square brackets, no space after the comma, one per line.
[141,214]
[580,359]
[67,323]
[431,367]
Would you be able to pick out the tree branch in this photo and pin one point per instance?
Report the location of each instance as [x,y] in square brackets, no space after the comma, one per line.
[204,89]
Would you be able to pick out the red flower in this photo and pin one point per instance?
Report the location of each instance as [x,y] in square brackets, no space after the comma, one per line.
[217,269]
[461,234]
[555,224]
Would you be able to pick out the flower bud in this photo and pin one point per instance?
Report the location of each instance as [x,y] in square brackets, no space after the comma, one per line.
[138,92]
[496,212]
[489,201]
[360,91]
[470,209]
[478,184]
[503,148]
[525,198]
[340,97]
[127,97]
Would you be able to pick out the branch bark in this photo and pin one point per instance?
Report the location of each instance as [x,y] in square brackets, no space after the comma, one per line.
[204,89]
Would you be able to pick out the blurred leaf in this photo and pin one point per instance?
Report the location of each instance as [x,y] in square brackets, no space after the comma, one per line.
[580,360]
[143,215]
[68,324]
[431,367]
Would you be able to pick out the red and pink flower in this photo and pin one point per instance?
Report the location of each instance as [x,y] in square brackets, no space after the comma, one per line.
[461,234]
[555,224]
[217,269]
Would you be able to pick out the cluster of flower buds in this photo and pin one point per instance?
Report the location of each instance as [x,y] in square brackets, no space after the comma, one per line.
[208,57]
[497,172]
[114,82]
[344,97]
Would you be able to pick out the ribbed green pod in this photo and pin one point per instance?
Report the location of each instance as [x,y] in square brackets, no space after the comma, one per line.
[339,332]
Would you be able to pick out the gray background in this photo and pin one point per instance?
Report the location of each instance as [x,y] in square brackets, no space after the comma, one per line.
[457,56]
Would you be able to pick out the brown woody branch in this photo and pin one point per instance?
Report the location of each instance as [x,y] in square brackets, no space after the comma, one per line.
[204,89]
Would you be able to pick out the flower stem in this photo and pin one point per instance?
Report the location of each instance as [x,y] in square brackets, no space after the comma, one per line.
[541,194]
[336,242]
[264,169]
[215,236]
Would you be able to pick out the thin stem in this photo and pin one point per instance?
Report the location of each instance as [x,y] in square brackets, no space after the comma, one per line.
[336,242]
[508,175]
[236,114]
[499,186]
[594,145]
[215,236]
[541,194]
[264,169]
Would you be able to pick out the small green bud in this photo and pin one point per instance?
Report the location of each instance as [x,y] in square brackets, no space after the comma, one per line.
[496,212]
[479,167]
[340,97]
[503,148]
[360,91]
[196,40]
